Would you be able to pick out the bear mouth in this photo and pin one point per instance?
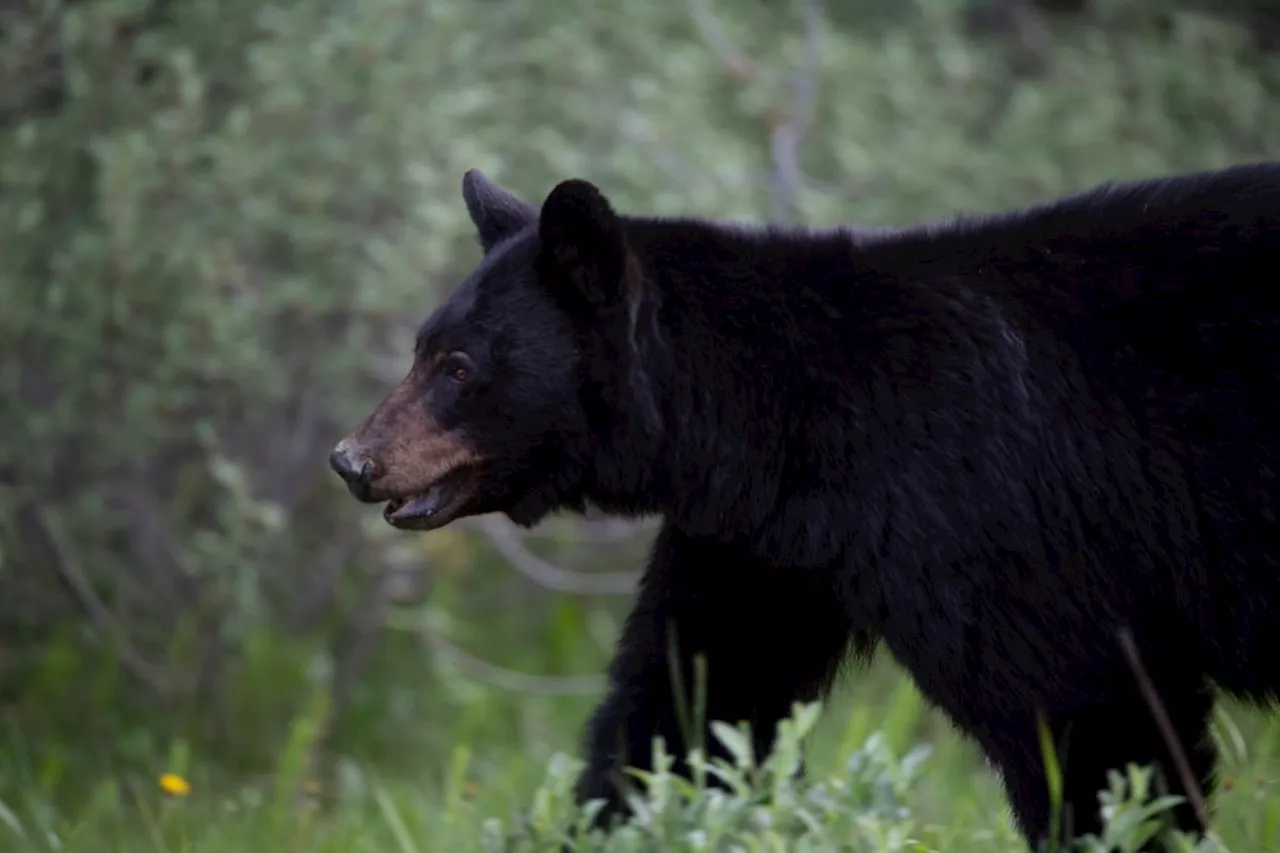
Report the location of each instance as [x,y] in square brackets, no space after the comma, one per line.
[434,506]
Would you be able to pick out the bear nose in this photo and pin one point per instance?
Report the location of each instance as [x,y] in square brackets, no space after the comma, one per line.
[354,470]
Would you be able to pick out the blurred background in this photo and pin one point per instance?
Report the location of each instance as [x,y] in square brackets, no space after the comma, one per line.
[221,222]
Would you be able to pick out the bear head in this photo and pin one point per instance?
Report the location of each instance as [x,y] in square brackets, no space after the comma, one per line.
[504,397]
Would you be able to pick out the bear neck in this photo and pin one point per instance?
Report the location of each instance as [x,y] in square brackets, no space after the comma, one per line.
[705,382]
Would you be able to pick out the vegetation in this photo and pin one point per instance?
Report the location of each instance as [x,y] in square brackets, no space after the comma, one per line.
[220,222]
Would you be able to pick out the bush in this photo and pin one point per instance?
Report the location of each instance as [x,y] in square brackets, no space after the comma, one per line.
[220,221]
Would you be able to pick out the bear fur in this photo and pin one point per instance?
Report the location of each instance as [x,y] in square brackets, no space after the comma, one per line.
[991,444]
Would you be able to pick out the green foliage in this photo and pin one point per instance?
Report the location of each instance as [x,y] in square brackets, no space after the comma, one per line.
[864,804]
[220,221]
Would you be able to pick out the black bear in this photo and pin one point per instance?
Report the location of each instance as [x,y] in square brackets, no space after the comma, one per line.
[997,444]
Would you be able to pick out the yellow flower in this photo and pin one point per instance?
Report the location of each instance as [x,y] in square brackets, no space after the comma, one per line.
[174,785]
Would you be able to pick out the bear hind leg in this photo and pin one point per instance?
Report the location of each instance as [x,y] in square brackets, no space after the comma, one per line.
[1093,741]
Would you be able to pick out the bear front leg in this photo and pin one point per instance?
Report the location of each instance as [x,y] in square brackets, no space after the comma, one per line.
[770,636]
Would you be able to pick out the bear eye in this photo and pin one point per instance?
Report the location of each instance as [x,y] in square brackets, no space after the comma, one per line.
[458,368]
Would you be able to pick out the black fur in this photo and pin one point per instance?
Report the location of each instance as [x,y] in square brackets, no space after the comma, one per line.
[991,443]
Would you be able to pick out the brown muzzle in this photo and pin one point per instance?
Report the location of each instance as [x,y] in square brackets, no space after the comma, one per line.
[399,450]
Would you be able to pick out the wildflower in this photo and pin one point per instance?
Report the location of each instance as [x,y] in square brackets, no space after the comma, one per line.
[174,785]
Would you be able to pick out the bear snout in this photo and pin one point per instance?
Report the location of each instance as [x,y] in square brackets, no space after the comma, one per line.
[355,469]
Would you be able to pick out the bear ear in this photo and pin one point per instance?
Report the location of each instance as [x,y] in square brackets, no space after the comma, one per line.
[584,246]
[497,213]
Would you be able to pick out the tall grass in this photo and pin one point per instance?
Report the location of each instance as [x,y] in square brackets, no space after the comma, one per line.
[886,773]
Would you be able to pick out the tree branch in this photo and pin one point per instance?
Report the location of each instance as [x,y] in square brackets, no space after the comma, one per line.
[73,575]
[507,541]
[608,530]
[604,530]
[497,676]
[1189,783]
[680,171]
[719,40]
[784,142]
[785,180]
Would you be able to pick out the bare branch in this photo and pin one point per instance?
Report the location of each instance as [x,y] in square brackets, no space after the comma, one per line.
[506,539]
[663,157]
[104,622]
[607,530]
[719,40]
[497,676]
[785,140]
[786,179]
[685,175]
[1189,783]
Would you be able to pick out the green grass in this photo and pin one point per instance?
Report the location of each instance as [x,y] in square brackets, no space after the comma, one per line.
[505,787]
